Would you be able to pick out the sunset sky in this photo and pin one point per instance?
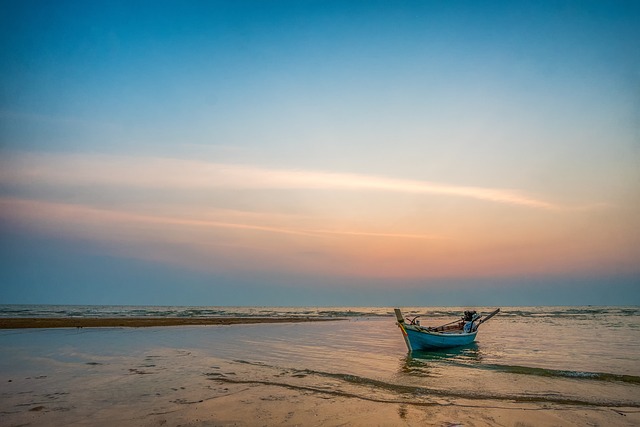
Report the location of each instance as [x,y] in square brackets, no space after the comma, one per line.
[320,152]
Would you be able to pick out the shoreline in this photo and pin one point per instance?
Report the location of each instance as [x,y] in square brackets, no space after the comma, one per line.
[138,322]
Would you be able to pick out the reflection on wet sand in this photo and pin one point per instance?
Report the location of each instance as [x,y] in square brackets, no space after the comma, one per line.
[428,363]
[332,373]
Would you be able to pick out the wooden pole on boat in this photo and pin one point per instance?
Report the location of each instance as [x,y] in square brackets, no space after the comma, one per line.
[401,326]
[489,316]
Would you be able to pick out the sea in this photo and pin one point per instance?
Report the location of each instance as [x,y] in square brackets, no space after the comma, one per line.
[572,358]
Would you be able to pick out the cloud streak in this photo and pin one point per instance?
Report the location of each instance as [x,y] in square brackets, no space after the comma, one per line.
[152,172]
[58,213]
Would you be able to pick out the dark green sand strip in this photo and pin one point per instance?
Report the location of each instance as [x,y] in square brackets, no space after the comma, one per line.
[137,322]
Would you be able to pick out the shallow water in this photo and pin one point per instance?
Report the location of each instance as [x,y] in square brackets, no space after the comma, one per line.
[547,356]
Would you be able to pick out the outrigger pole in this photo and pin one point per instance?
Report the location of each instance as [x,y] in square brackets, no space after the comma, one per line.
[489,316]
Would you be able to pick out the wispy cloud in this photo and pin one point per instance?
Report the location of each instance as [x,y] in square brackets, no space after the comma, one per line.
[373,234]
[203,243]
[55,214]
[41,210]
[149,172]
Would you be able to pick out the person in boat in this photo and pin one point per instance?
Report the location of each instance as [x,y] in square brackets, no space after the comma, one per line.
[468,326]
[469,319]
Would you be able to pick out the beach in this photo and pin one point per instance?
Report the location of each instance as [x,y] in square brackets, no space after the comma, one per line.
[139,322]
[350,372]
[139,394]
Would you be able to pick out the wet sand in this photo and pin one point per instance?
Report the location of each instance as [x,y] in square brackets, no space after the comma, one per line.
[137,322]
[264,375]
[181,387]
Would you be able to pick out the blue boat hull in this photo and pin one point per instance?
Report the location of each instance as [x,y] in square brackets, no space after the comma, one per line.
[425,340]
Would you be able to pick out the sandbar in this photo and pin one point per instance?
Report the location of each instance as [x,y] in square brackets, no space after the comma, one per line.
[137,322]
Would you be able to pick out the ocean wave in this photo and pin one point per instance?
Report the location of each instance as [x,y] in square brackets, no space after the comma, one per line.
[330,312]
[350,385]
[578,375]
[470,357]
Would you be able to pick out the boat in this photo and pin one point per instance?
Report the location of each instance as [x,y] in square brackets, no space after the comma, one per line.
[454,334]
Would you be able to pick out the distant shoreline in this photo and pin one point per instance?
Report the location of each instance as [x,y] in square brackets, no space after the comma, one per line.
[137,322]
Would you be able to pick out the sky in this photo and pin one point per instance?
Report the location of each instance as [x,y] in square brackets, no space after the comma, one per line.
[413,153]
